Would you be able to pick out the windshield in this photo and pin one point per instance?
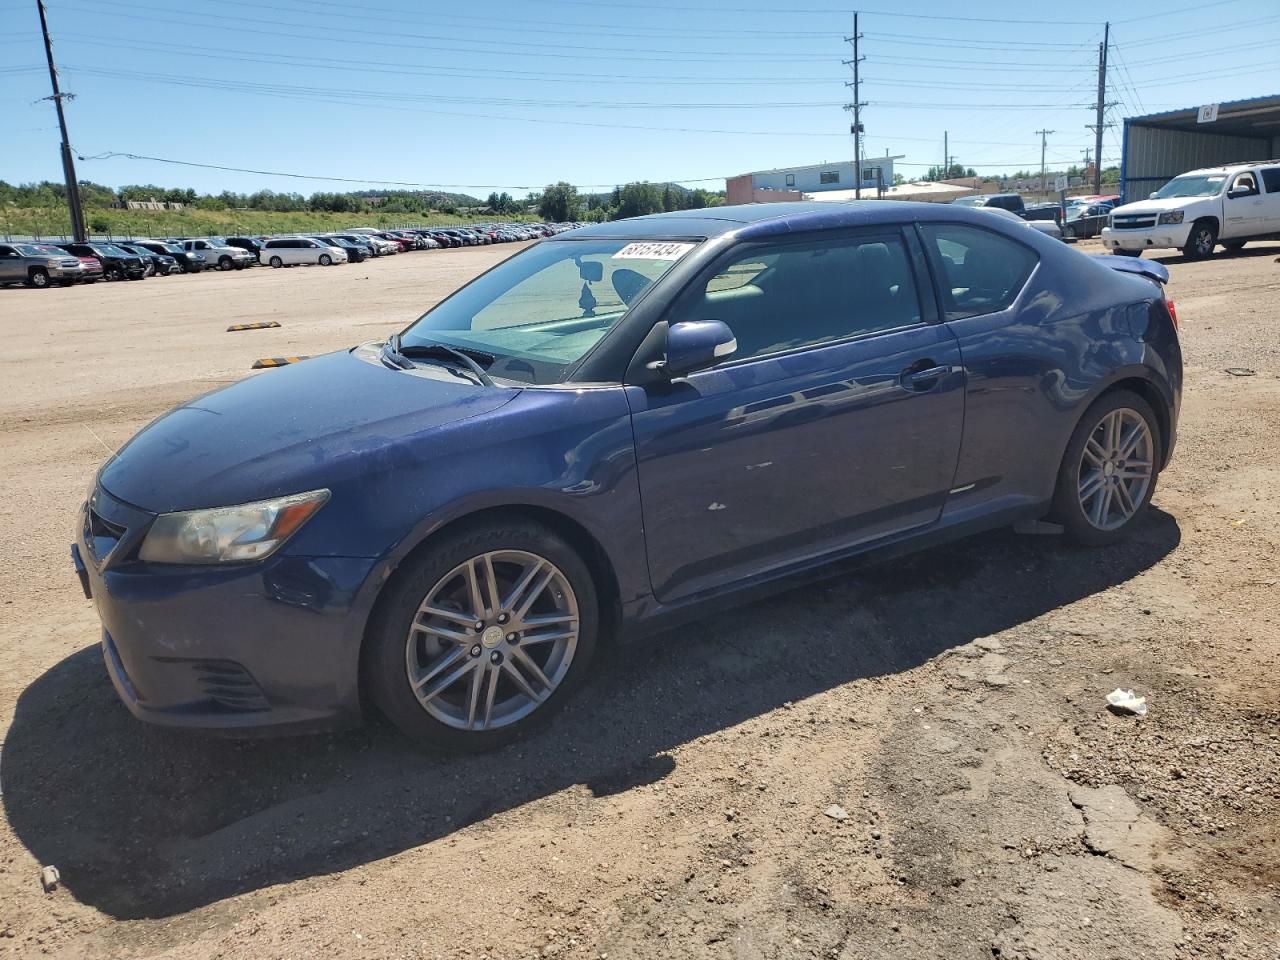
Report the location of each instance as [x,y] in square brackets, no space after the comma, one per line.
[28,250]
[541,311]
[1202,186]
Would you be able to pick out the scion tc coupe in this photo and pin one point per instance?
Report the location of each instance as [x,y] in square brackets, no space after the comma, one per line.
[617,425]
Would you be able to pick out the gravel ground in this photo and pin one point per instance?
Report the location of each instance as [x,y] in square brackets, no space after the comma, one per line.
[913,760]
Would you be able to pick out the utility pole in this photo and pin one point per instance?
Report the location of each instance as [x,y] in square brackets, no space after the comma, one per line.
[856,107]
[946,155]
[68,163]
[1101,106]
[1044,139]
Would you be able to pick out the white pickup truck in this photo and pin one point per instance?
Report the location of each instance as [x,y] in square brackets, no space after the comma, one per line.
[1194,212]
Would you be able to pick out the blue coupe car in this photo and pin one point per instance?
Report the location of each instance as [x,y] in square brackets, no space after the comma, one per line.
[615,427]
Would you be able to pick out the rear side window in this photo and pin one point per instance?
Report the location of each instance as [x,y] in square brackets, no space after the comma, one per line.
[982,272]
[1271,179]
[789,296]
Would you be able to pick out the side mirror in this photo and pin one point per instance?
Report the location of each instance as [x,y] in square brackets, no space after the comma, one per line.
[695,345]
[1151,195]
[1235,193]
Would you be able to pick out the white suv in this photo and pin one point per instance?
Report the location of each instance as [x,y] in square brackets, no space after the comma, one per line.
[289,251]
[1196,211]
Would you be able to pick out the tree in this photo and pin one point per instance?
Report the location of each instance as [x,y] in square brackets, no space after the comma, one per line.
[637,199]
[1111,175]
[954,172]
[899,179]
[560,202]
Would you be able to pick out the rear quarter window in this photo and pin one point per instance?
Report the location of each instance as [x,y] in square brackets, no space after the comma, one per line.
[980,271]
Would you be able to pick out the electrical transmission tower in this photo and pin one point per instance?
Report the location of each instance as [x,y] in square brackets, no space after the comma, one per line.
[856,108]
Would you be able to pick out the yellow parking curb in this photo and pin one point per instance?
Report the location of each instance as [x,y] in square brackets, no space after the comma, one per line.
[252,326]
[276,362]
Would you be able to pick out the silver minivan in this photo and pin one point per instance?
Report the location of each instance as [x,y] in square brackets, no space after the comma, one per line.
[291,251]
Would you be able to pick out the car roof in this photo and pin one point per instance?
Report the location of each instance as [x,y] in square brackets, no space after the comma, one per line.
[1230,167]
[753,220]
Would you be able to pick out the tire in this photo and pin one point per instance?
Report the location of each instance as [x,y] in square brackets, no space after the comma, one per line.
[1233,246]
[115,274]
[1126,253]
[225,263]
[276,263]
[38,278]
[482,662]
[1201,241]
[1107,470]
[326,260]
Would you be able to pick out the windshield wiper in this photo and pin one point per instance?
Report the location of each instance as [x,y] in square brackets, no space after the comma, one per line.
[402,355]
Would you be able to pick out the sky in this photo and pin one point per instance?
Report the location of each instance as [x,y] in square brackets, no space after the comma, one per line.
[514,94]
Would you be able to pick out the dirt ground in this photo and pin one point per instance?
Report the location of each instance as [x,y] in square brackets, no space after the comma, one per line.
[951,705]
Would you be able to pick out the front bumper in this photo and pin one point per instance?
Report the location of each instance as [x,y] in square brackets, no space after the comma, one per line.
[270,647]
[1168,236]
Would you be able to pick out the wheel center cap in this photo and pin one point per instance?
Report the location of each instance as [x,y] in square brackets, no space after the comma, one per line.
[492,637]
[1108,468]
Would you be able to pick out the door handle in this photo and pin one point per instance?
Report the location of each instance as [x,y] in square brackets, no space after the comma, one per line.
[916,378]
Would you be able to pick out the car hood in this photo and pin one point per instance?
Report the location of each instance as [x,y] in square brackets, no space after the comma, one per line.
[1156,206]
[305,426]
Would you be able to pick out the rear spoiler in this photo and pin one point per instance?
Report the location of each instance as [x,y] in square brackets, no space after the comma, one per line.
[1143,268]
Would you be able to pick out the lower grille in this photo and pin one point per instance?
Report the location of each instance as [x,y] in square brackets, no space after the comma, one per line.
[227,683]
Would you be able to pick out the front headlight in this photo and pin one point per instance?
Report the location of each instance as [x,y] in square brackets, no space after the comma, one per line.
[1173,216]
[250,531]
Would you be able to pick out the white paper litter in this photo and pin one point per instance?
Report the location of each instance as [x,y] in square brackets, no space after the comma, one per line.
[1126,701]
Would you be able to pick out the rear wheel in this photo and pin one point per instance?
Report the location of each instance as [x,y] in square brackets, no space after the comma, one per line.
[38,278]
[1121,252]
[484,637]
[1109,471]
[1202,240]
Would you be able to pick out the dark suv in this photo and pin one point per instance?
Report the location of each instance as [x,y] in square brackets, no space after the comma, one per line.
[188,261]
[117,264]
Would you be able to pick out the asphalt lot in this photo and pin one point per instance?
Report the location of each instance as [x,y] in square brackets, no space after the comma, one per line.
[951,703]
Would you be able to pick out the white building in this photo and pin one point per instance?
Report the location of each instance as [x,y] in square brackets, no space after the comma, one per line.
[814,178]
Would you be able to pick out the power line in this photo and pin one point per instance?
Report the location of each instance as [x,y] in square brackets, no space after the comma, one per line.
[111,155]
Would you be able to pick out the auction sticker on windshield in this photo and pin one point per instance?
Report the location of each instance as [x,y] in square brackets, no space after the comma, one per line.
[650,250]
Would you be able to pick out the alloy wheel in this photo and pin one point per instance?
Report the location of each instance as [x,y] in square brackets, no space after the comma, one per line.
[492,640]
[1116,468]
[1204,241]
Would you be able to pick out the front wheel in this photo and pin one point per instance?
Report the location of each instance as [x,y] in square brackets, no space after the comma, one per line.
[326,260]
[1203,238]
[39,278]
[1109,471]
[225,263]
[484,637]
[276,263]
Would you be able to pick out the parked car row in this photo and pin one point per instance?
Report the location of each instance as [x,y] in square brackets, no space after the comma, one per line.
[43,264]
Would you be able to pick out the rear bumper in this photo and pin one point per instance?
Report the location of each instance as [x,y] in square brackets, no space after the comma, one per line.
[252,649]
[1171,236]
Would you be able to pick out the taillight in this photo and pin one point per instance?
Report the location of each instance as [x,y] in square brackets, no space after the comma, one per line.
[1173,312]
